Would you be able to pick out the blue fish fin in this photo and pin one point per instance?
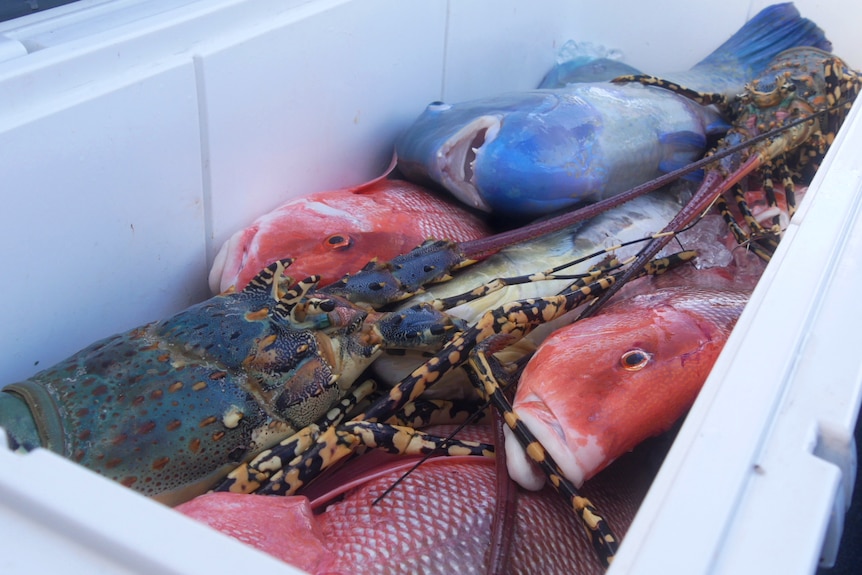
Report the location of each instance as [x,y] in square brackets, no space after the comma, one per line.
[717,127]
[774,29]
[683,142]
[681,148]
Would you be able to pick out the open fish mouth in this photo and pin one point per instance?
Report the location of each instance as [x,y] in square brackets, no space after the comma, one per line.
[457,157]
[577,455]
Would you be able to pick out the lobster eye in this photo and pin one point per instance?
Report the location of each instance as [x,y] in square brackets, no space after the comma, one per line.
[355,325]
[338,241]
[788,87]
[635,359]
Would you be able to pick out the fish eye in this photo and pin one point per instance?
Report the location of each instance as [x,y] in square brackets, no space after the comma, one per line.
[438,106]
[339,241]
[635,359]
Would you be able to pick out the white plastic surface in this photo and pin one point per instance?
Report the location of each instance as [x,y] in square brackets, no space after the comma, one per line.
[58,517]
[137,135]
[766,456]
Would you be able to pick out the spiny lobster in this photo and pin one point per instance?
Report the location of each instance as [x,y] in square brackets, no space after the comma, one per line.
[806,90]
[172,407]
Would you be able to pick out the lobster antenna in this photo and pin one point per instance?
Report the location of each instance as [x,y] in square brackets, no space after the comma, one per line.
[550,274]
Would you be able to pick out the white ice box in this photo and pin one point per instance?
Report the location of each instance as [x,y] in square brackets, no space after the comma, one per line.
[137,135]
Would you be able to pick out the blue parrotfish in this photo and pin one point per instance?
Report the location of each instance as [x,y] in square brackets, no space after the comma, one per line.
[581,71]
[526,154]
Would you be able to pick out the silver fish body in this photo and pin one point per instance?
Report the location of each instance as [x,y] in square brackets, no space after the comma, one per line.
[633,220]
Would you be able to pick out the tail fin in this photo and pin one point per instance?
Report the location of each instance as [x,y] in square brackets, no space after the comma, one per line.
[774,29]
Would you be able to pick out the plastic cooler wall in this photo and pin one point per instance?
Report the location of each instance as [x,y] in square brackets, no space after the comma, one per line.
[136,136]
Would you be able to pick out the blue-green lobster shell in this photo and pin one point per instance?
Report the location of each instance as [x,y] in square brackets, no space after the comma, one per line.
[170,407]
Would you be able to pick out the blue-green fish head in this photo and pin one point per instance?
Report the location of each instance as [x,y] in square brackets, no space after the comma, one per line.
[531,153]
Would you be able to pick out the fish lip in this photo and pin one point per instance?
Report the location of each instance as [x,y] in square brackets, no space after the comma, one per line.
[563,446]
[457,159]
[218,269]
[229,261]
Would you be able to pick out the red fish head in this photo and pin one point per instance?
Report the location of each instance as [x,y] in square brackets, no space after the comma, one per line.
[597,388]
[337,232]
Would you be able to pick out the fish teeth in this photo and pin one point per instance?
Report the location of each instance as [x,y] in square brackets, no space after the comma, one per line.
[457,159]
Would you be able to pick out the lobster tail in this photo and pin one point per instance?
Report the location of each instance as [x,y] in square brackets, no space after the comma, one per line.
[30,418]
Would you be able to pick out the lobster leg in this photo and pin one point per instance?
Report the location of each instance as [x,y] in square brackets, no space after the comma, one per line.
[484,370]
[789,189]
[268,467]
[769,190]
[750,220]
[752,241]
[548,275]
[338,442]
[314,449]
[713,186]
[703,98]
[424,412]
[247,477]
[738,233]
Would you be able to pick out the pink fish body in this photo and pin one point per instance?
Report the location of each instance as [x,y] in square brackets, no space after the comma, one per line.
[284,527]
[438,520]
[335,232]
[597,388]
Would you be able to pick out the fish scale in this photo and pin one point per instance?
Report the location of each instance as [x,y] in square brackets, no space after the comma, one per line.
[425,535]
[436,521]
